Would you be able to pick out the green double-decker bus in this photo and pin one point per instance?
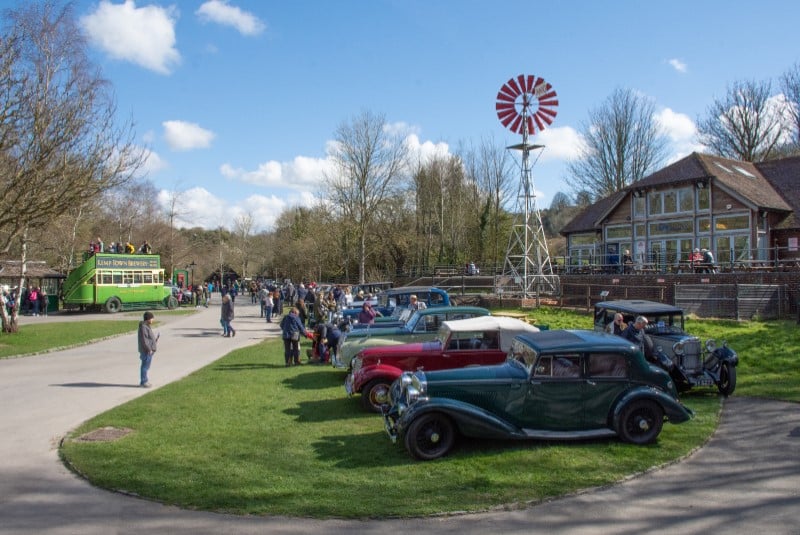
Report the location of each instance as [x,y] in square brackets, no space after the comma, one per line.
[116,282]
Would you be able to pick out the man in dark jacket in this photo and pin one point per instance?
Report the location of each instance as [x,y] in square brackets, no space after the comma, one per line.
[291,329]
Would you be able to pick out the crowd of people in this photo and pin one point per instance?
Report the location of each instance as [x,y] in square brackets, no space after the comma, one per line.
[33,301]
[97,246]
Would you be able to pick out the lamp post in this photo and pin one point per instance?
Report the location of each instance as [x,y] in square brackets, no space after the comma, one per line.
[191,267]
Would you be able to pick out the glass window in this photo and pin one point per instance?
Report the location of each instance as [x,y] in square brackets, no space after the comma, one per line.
[686,200]
[607,365]
[656,206]
[671,227]
[582,239]
[640,231]
[703,199]
[127,277]
[105,277]
[117,277]
[639,206]
[704,224]
[147,278]
[618,232]
[137,277]
[739,222]
[562,366]
[670,202]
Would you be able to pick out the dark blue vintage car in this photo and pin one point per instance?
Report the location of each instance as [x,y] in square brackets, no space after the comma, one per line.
[554,385]
[690,362]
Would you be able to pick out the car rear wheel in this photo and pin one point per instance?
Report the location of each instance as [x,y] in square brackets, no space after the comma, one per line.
[375,395]
[727,379]
[641,422]
[430,436]
[113,305]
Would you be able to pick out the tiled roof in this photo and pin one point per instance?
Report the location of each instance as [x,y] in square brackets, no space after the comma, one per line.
[784,175]
[33,268]
[589,218]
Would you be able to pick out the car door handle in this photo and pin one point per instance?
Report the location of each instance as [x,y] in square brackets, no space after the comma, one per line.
[591,383]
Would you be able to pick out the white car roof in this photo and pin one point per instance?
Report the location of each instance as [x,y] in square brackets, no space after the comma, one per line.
[508,327]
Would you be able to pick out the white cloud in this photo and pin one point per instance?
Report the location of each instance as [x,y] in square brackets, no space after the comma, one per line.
[221,12]
[301,173]
[427,150]
[153,163]
[197,207]
[560,143]
[182,135]
[678,65]
[144,36]
[681,131]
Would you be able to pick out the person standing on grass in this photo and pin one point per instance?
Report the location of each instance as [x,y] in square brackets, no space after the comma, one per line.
[226,316]
[291,329]
[147,347]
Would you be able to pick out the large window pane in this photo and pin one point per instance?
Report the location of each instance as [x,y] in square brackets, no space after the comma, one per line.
[656,206]
[686,199]
[670,202]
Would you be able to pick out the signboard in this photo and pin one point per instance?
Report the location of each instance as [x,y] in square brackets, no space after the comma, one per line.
[115,261]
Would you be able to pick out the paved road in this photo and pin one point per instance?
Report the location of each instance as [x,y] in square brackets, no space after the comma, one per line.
[746,480]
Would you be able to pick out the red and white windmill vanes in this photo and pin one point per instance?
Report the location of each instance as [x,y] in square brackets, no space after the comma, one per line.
[526,101]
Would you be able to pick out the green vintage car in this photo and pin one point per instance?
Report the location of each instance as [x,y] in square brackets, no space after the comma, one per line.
[420,327]
[555,385]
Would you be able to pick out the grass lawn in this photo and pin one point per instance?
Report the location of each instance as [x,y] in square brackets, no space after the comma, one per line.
[247,435]
[35,338]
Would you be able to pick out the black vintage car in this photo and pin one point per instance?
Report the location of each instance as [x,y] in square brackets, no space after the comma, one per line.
[690,362]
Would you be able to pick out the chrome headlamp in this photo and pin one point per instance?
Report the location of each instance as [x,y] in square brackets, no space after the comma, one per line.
[711,345]
[678,348]
[356,364]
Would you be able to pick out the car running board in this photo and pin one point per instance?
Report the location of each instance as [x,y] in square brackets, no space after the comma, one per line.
[568,435]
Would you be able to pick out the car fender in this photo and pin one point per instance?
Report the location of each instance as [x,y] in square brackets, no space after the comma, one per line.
[726,354]
[470,420]
[375,371]
[674,410]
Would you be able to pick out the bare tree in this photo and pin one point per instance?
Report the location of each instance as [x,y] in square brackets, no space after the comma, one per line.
[369,161]
[59,144]
[790,85]
[744,125]
[622,144]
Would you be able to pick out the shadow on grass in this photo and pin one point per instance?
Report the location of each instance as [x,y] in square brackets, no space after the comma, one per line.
[338,449]
[326,410]
[316,379]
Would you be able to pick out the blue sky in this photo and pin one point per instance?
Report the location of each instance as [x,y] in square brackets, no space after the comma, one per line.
[237,100]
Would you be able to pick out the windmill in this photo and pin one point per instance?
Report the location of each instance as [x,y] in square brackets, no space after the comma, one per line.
[525,105]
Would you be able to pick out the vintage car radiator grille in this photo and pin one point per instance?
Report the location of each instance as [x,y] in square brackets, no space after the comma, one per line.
[692,354]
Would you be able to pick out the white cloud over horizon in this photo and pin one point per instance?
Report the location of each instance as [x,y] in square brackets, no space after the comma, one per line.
[678,65]
[221,12]
[141,35]
[183,135]
[302,176]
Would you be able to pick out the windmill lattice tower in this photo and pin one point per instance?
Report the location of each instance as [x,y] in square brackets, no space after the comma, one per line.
[524,104]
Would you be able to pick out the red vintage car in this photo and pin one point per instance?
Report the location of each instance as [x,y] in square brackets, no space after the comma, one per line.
[476,341]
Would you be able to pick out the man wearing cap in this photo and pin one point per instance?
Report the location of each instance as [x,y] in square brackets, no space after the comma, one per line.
[147,347]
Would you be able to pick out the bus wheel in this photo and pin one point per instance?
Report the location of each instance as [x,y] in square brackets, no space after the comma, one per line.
[113,305]
[172,303]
